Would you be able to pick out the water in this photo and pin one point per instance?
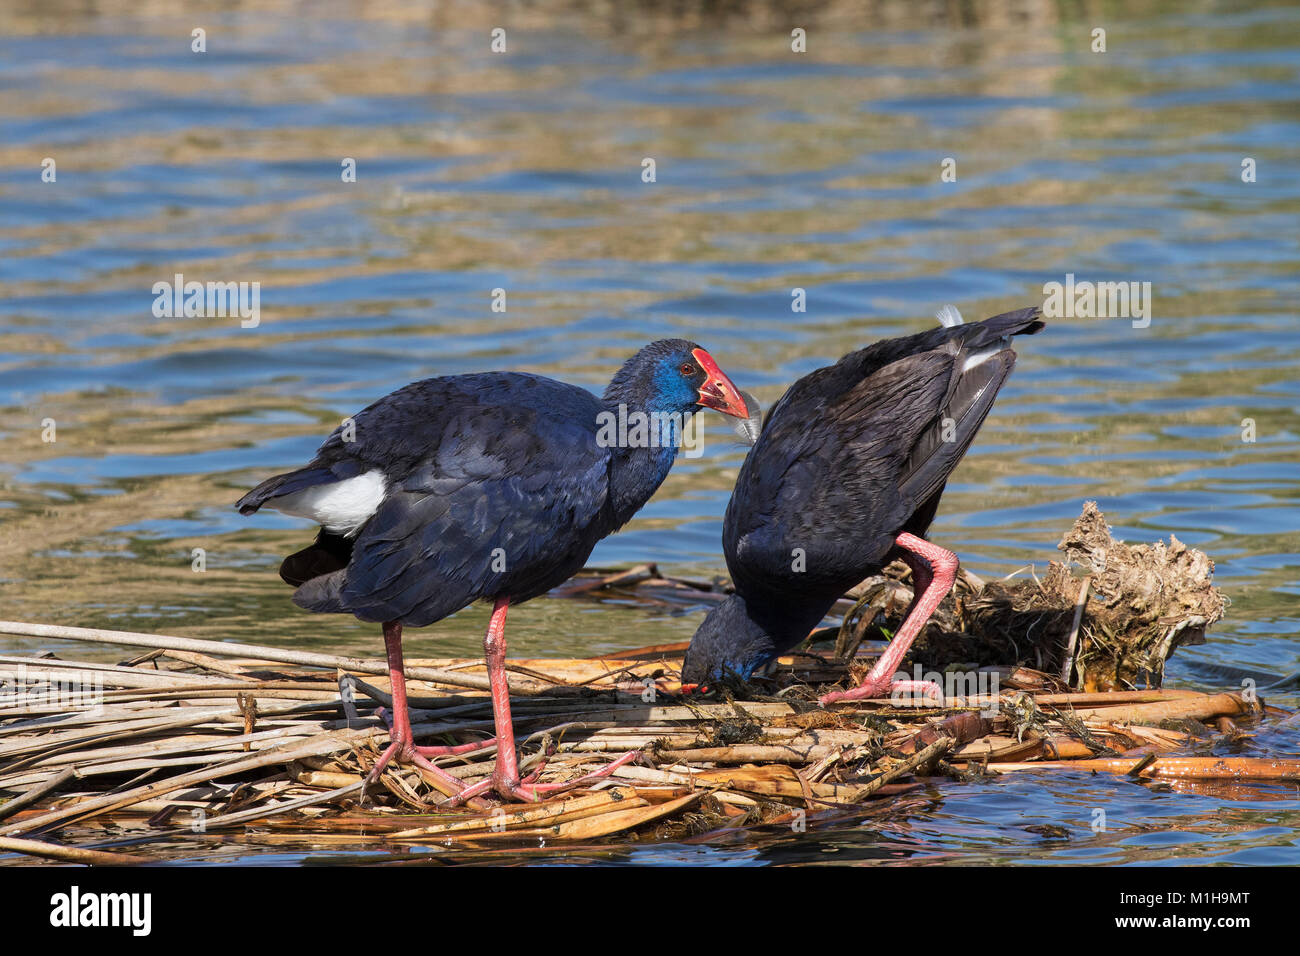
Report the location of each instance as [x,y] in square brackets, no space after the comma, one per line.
[774,171]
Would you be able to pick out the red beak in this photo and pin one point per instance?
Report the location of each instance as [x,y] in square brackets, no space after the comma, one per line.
[718,392]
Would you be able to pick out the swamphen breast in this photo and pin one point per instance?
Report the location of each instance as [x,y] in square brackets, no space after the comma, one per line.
[845,476]
[492,486]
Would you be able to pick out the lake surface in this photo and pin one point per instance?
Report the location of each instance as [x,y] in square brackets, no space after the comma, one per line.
[774,171]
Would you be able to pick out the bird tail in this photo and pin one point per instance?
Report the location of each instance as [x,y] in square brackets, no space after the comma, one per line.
[983,340]
[1000,328]
[280,485]
[1020,322]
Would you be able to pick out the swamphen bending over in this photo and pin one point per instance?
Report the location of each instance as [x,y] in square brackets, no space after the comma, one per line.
[845,476]
[493,486]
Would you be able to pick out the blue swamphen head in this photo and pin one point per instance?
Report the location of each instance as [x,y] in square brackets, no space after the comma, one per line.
[729,643]
[675,376]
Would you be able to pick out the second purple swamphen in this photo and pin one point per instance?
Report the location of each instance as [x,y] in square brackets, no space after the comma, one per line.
[493,486]
[846,476]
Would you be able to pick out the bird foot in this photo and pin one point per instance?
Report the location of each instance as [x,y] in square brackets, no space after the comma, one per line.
[893,689]
[402,751]
[441,750]
[527,791]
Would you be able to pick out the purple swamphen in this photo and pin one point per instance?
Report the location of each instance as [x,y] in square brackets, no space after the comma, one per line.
[492,486]
[845,476]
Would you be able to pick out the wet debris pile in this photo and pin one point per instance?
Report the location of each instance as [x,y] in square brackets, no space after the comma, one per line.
[200,743]
[226,744]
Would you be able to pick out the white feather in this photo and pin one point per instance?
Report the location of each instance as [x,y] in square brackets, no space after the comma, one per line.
[975,358]
[341,506]
[948,316]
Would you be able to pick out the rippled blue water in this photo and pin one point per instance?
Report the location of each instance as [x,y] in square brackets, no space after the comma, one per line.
[774,171]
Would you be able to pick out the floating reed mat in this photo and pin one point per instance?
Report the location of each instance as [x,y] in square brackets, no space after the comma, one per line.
[223,743]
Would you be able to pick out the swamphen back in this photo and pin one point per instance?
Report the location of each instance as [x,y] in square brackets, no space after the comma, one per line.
[461,487]
[845,476]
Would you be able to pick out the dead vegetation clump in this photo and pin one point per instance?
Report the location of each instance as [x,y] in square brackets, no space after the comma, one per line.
[1107,617]
[1147,600]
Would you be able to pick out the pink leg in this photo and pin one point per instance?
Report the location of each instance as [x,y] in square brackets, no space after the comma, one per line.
[401,747]
[921,578]
[505,778]
[942,571]
[452,750]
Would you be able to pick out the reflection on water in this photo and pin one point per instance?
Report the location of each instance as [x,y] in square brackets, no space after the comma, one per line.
[774,171]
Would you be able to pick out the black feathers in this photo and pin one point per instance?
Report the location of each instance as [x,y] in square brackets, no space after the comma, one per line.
[852,455]
[481,486]
[330,553]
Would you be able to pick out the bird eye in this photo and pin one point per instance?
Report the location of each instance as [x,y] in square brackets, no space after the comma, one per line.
[688,369]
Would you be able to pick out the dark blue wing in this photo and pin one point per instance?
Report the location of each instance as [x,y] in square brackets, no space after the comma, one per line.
[399,431]
[819,469]
[511,500]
